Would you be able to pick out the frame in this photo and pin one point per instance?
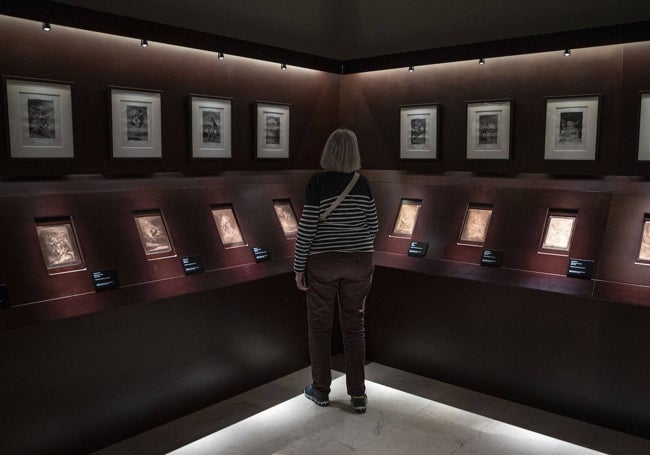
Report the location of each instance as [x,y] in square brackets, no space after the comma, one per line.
[39,115]
[572,128]
[286,217]
[488,130]
[135,123]
[644,127]
[210,126]
[475,224]
[227,225]
[419,125]
[272,130]
[153,234]
[59,245]
[407,218]
[558,232]
[644,243]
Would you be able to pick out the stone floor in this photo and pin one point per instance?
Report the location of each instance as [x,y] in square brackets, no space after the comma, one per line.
[407,414]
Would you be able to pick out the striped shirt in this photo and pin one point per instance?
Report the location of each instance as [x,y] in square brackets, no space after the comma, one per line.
[350,227]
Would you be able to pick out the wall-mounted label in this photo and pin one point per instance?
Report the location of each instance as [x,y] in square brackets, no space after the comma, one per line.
[192,265]
[492,258]
[580,268]
[261,254]
[418,249]
[4,296]
[106,279]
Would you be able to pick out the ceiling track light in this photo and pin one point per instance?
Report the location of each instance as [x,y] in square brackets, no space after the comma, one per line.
[144,43]
[220,56]
[47,27]
[411,69]
[481,61]
[283,66]
[567,52]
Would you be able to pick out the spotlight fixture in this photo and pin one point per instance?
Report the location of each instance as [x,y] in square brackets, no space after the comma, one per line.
[47,27]
[481,61]
[220,56]
[567,52]
[411,69]
[283,66]
[144,43]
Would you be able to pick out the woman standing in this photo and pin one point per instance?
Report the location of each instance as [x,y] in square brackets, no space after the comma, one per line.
[333,259]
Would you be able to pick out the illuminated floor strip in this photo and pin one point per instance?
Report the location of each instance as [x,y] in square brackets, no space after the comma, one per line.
[396,423]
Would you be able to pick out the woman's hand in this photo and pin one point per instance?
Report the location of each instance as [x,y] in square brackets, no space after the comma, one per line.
[301,281]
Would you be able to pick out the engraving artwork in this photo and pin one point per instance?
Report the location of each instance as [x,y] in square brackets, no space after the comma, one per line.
[406,218]
[558,232]
[476,225]
[211,126]
[488,133]
[153,234]
[287,219]
[418,131]
[41,119]
[137,122]
[272,128]
[227,226]
[58,245]
[570,128]
[644,250]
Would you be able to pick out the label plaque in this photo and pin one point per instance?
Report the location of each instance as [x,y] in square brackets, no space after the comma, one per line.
[4,296]
[261,254]
[492,258]
[105,279]
[192,265]
[418,249]
[580,268]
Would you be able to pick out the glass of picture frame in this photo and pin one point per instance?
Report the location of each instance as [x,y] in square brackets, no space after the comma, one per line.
[558,232]
[488,130]
[475,224]
[210,126]
[419,125]
[155,239]
[572,128]
[135,123]
[272,130]
[407,218]
[59,245]
[644,127]
[39,116]
[286,217]
[644,243]
[227,226]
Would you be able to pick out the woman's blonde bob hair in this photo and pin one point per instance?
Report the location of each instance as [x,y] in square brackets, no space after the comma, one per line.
[341,152]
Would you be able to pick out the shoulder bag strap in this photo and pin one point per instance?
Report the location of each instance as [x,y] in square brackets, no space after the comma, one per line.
[339,199]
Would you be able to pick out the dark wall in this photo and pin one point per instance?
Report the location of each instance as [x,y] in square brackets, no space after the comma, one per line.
[92,62]
[370,105]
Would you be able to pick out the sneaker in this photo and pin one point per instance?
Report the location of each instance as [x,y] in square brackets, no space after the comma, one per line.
[359,403]
[320,400]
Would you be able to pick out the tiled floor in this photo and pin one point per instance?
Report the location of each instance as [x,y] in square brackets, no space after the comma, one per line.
[407,414]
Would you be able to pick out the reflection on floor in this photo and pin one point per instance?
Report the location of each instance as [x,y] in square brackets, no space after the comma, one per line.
[407,414]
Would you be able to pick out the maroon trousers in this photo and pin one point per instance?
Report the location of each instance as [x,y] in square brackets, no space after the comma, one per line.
[347,276]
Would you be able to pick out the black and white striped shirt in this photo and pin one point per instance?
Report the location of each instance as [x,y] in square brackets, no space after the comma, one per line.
[350,227]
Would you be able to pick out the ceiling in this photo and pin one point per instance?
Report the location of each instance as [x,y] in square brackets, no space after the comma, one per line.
[354,29]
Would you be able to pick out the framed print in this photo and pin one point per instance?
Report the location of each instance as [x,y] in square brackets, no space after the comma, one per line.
[135,123]
[475,225]
[39,115]
[228,227]
[488,130]
[59,245]
[286,217]
[272,130]
[571,128]
[644,128]
[406,219]
[644,244]
[558,232]
[210,127]
[153,234]
[419,132]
